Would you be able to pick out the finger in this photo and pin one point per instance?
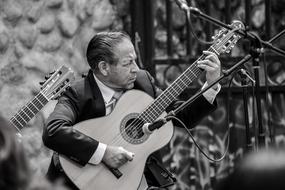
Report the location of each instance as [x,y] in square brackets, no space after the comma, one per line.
[129,155]
[211,55]
[207,68]
[207,63]
[212,58]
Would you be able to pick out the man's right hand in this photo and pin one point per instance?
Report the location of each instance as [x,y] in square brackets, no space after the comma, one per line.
[116,156]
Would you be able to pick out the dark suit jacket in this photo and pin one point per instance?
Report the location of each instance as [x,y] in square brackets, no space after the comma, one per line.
[83,100]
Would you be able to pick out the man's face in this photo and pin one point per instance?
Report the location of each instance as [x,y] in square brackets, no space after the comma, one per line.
[123,74]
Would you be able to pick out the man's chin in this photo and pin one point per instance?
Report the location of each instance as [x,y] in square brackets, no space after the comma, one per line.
[130,86]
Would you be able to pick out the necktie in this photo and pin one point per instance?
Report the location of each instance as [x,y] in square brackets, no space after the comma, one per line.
[111,104]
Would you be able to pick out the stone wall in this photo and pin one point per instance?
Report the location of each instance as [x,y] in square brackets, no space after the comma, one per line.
[37,37]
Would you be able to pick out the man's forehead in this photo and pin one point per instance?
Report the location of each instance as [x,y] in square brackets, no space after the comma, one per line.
[131,55]
[126,49]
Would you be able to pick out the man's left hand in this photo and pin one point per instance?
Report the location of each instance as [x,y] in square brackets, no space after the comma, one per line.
[212,65]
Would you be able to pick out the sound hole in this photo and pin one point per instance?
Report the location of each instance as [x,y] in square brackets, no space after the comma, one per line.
[131,129]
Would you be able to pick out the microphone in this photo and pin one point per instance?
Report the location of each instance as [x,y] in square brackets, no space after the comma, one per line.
[182,4]
[244,72]
[148,128]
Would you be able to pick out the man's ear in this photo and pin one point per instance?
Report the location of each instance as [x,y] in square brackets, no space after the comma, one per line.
[103,68]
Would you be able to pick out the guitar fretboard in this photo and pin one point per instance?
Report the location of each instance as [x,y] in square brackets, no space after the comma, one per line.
[158,106]
[20,119]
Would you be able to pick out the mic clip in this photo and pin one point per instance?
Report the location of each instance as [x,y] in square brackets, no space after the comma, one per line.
[148,128]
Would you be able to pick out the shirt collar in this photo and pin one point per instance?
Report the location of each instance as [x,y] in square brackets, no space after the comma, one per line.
[106,91]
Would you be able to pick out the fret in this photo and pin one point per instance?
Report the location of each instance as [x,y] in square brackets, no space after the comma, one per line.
[32,107]
[166,97]
[16,123]
[39,101]
[36,103]
[189,81]
[193,73]
[44,100]
[29,112]
[154,109]
[172,92]
[188,76]
[185,85]
[20,120]
[166,100]
[63,76]
[21,117]
[149,112]
[179,86]
[159,105]
[212,49]
[24,115]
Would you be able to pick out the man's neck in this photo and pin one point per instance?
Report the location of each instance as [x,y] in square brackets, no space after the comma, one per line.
[106,83]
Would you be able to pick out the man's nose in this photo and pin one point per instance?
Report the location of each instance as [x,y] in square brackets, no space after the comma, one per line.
[135,67]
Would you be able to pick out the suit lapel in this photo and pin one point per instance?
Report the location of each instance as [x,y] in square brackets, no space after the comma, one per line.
[98,106]
[143,83]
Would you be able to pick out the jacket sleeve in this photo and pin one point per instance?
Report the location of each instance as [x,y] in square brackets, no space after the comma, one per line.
[195,112]
[59,134]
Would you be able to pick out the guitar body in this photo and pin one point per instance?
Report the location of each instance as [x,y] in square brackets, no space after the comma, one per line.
[110,130]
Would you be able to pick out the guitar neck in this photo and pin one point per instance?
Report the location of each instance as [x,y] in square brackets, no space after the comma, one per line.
[20,119]
[159,105]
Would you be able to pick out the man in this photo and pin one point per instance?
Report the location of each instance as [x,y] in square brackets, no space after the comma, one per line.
[112,59]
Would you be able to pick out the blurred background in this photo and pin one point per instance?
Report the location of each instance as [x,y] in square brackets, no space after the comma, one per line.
[37,37]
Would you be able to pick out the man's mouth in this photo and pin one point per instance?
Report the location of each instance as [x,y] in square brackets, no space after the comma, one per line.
[133,79]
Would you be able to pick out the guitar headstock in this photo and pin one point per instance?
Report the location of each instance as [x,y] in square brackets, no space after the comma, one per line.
[226,39]
[57,83]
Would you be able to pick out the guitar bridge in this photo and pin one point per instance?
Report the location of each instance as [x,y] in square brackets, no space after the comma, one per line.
[114,171]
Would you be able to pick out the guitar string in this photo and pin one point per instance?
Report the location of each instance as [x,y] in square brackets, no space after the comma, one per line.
[22,117]
[32,106]
[138,123]
[144,116]
[27,112]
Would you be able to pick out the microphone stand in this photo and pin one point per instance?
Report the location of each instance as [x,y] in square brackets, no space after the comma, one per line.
[256,49]
[225,74]
[158,123]
[196,12]
[244,85]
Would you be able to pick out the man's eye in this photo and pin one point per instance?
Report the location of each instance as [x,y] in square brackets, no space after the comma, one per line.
[129,63]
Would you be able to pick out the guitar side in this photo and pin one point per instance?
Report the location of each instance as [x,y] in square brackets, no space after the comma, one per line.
[105,130]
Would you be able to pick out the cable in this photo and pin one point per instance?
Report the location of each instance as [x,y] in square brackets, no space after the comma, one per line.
[188,16]
[198,146]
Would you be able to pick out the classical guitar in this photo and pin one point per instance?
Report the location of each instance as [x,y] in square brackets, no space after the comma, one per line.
[125,127]
[51,89]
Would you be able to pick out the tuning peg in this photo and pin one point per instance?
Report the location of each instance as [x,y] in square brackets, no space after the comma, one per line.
[49,75]
[41,84]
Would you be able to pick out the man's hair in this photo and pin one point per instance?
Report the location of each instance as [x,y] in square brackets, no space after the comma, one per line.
[101,48]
